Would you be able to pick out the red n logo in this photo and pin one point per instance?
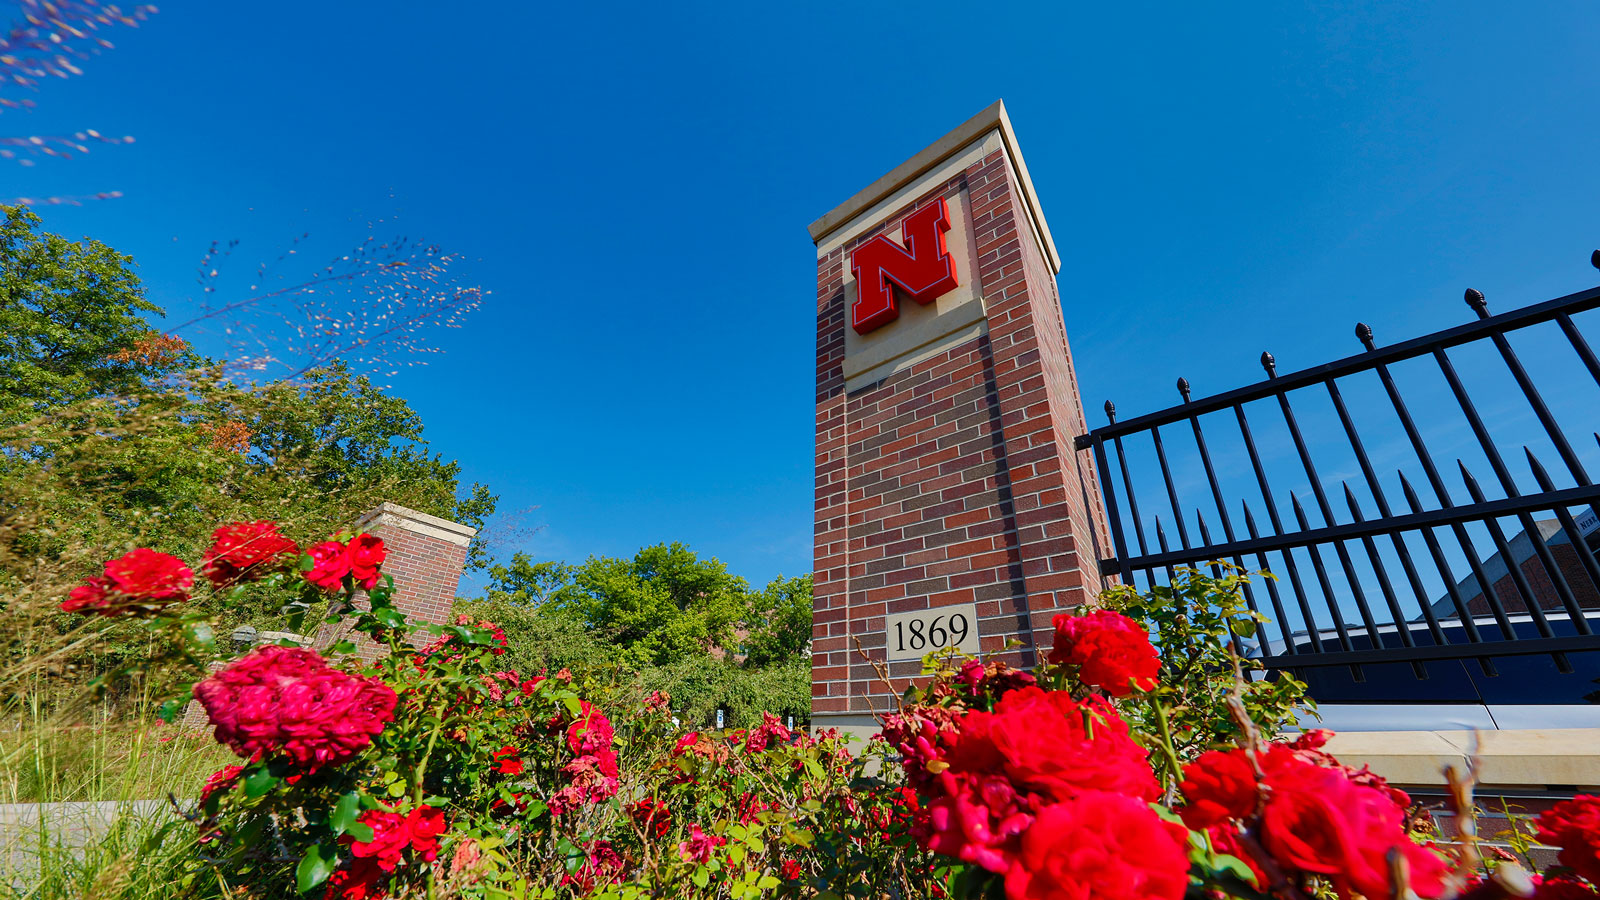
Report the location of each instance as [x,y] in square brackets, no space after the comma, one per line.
[923,268]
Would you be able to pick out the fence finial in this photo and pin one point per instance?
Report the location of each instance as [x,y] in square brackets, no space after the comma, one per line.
[1269,363]
[1183,388]
[1479,305]
[1364,334]
[1111,412]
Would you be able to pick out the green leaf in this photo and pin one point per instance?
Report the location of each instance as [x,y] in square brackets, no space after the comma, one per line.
[361,831]
[259,782]
[315,867]
[345,812]
[170,710]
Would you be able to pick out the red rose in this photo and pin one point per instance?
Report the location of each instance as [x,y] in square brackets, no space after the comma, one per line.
[507,762]
[329,565]
[791,870]
[91,596]
[224,779]
[604,866]
[366,554]
[150,576]
[1302,826]
[1112,652]
[699,846]
[1101,846]
[1574,826]
[390,836]
[591,733]
[243,551]
[771,728]
[361,880]
[976,818]
[1318,820]
[141,580]
[653,816]
[425,824]
[1058,746]
[1220,785]
[289,701]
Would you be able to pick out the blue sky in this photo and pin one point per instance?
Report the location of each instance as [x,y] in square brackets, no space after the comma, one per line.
[633,182]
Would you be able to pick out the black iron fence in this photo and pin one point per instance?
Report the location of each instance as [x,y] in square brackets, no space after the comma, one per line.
[1450,572]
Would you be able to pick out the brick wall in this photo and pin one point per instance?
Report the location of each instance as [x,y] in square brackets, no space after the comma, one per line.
[952,480]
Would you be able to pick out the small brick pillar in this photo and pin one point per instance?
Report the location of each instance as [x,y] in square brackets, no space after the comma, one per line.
[426,555]
[946,479]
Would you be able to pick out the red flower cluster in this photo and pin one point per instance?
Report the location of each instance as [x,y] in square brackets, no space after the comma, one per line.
[1315,818]
[989,778]
[289,701]
[1112,652]
[699,847]
[392,833]
[771,727]
[592,776]
[996,678]
[604,866]
[360,559]
[507,762]
[1574,826]
[141,580]
[244,551]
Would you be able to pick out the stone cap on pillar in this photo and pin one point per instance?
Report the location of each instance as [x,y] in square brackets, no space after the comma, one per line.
[875,198]
[418,522]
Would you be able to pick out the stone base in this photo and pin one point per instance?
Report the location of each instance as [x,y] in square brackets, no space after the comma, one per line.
[1554,759]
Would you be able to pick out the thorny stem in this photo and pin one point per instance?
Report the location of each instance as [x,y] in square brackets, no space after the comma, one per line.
[1171,753]
[422,767]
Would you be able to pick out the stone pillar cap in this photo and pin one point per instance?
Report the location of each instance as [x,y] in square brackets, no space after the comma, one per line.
[418,522]
[993,118]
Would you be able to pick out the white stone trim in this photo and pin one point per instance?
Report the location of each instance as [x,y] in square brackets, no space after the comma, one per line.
[417,522]
[971,141]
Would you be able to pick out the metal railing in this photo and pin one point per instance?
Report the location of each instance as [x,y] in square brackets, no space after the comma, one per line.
[1343,620]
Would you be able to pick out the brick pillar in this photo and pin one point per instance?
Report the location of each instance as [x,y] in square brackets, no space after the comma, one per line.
[946,479]
[426,558]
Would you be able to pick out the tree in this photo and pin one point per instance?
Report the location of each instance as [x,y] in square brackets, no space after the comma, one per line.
[659,607]
[779,622]
[665,619]
[71,321]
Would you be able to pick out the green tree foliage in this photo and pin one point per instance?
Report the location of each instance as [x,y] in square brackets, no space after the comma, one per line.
[71,320]
[113,435]
[663,605]
[666,618]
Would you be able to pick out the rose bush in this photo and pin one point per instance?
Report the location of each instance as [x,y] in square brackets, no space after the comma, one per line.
[431,770]
[1122,768]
